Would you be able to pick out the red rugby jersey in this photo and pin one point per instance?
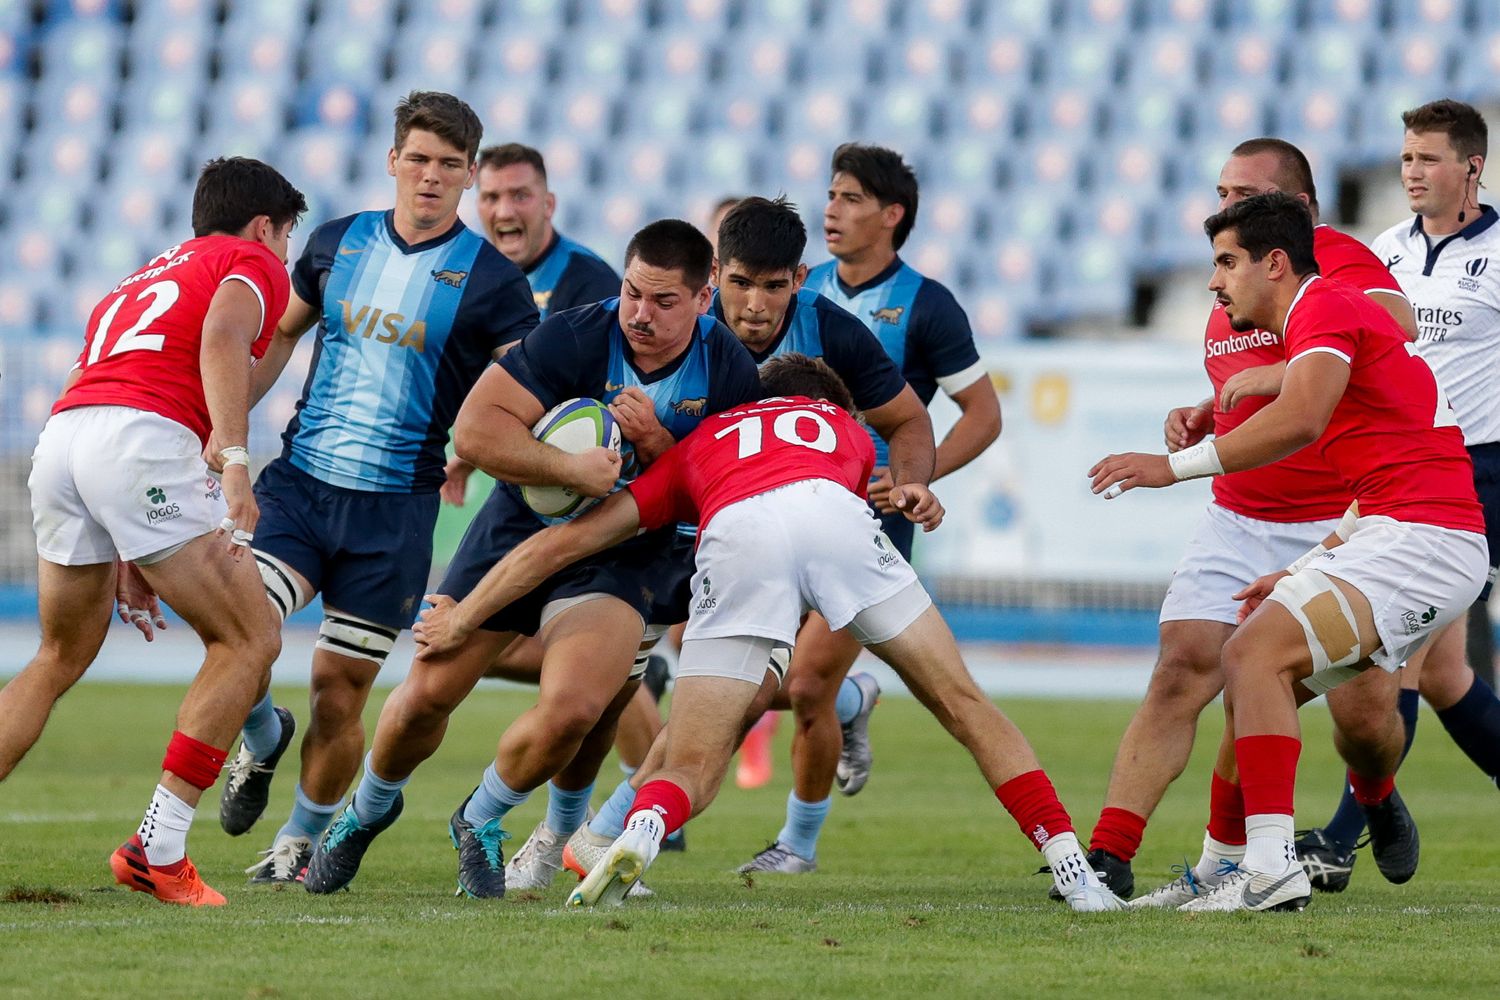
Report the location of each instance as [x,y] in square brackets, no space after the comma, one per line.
[1392,436]
[749,450]
[144,338]
[1300,487]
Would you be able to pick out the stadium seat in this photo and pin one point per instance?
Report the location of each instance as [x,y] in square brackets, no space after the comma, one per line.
[1266,16]
[600,57]
[766,64]
[683,58]
[63,11]
[1188,15]
[81,50]
[1024,19]
[707,19]
[1249,59]
[436,54]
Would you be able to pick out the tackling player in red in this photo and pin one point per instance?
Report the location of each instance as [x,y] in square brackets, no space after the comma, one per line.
[1414,560]
[119,475]
[779,489]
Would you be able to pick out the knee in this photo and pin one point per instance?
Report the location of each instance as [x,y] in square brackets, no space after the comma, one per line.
[571,722]
[1185,678]
[336,703]
[809,692]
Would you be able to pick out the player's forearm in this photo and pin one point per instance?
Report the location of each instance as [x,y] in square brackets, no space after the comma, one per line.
[977,428]
[271,365]
[1272,434]
[525,567]
[225,363]
[913,454]
[497,443]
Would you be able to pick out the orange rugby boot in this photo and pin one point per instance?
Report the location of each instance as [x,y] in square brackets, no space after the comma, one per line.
[184,887]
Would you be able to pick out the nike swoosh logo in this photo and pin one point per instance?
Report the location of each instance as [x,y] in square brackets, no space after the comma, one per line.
[1253,899]
[350,251]
[1393,261]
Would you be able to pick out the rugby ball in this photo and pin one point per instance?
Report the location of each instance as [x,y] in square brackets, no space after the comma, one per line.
[575,425]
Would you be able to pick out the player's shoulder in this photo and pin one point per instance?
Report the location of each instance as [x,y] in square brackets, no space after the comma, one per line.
[821,275]
[581,256]
[597,319]
[490,265]
[937,308]
[1397,235]
[1328,241]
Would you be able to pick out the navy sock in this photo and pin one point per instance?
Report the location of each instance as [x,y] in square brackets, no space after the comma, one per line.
[1474,723]
[1348,821]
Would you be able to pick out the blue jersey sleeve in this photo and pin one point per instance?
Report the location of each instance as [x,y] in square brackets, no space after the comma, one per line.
[735,376]
[310,273]
[940,331]
[499,295]
[854,354]
[586,281]
[562,358]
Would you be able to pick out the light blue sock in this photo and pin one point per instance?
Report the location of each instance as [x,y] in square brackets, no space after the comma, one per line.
[804,821]
[262,729]
[609,821]
[309,819]
[374,796]
[851,699]
[566,810]
[492,799]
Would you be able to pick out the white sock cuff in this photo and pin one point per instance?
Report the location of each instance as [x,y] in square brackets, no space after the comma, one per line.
[1218,849]
[1270,825]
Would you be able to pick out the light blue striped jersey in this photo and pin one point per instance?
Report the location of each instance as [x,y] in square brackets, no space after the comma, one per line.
[404,333]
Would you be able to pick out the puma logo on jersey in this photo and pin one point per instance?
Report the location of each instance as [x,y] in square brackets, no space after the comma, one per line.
[449,277]
[542,300]
[384,327]
[890,314]
[691,407]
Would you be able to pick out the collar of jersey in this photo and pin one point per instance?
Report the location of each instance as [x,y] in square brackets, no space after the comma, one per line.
[541,258]
[1487,218]
[852,290]
[716,310]
[406,248]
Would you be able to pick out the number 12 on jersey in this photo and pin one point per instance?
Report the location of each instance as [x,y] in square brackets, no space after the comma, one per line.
[163,294]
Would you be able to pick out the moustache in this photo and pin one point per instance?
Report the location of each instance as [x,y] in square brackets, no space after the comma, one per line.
[641,328]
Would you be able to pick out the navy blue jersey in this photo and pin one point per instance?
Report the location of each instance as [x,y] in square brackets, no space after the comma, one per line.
[916,320]
[583,353]
[569,274]
[814,326]
[405,332]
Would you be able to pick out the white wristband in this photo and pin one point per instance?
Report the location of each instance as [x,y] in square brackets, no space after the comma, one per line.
[1196,462]
[1348,523]
[1301,561]
[235,456]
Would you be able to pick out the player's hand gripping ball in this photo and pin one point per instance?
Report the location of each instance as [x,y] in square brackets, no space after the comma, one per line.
[574,426]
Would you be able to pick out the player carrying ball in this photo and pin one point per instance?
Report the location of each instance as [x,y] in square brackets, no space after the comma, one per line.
[779,489]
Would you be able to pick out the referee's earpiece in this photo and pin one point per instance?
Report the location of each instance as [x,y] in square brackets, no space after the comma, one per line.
[1472,169]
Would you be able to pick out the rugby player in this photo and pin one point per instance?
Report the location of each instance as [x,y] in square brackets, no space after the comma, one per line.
[778,489]
[761,297]
[1258,521]
[1442,258]
[1415,559]
[870,212]
[119,474]
[663,366]
[410,305]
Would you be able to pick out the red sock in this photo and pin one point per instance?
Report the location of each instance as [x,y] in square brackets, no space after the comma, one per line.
[666,800]
[1032,802]
[1371,791]
[193,761]
[1226,811]
[1118,832]
[1268,773]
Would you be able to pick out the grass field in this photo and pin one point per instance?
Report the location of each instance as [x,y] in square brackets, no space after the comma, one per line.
[925,885]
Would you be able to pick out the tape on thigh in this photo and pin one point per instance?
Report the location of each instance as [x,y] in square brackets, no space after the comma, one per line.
[281,585]
[1328,623]
[356,637]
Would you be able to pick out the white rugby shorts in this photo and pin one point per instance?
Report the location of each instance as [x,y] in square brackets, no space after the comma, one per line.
[1417,578]
[809,546]
[115,480]
[1226,553]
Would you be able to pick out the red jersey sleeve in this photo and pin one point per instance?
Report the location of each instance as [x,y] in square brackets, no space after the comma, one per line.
[1344,258]
[659,493]
[257,266]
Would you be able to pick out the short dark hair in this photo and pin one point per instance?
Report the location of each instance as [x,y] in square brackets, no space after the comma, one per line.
[763,235]
[1293,172]
[233,190]
[883,173]
[1462,123]
[444,115]
[799,375]
[1266,222]
[674,245]
[511,153]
